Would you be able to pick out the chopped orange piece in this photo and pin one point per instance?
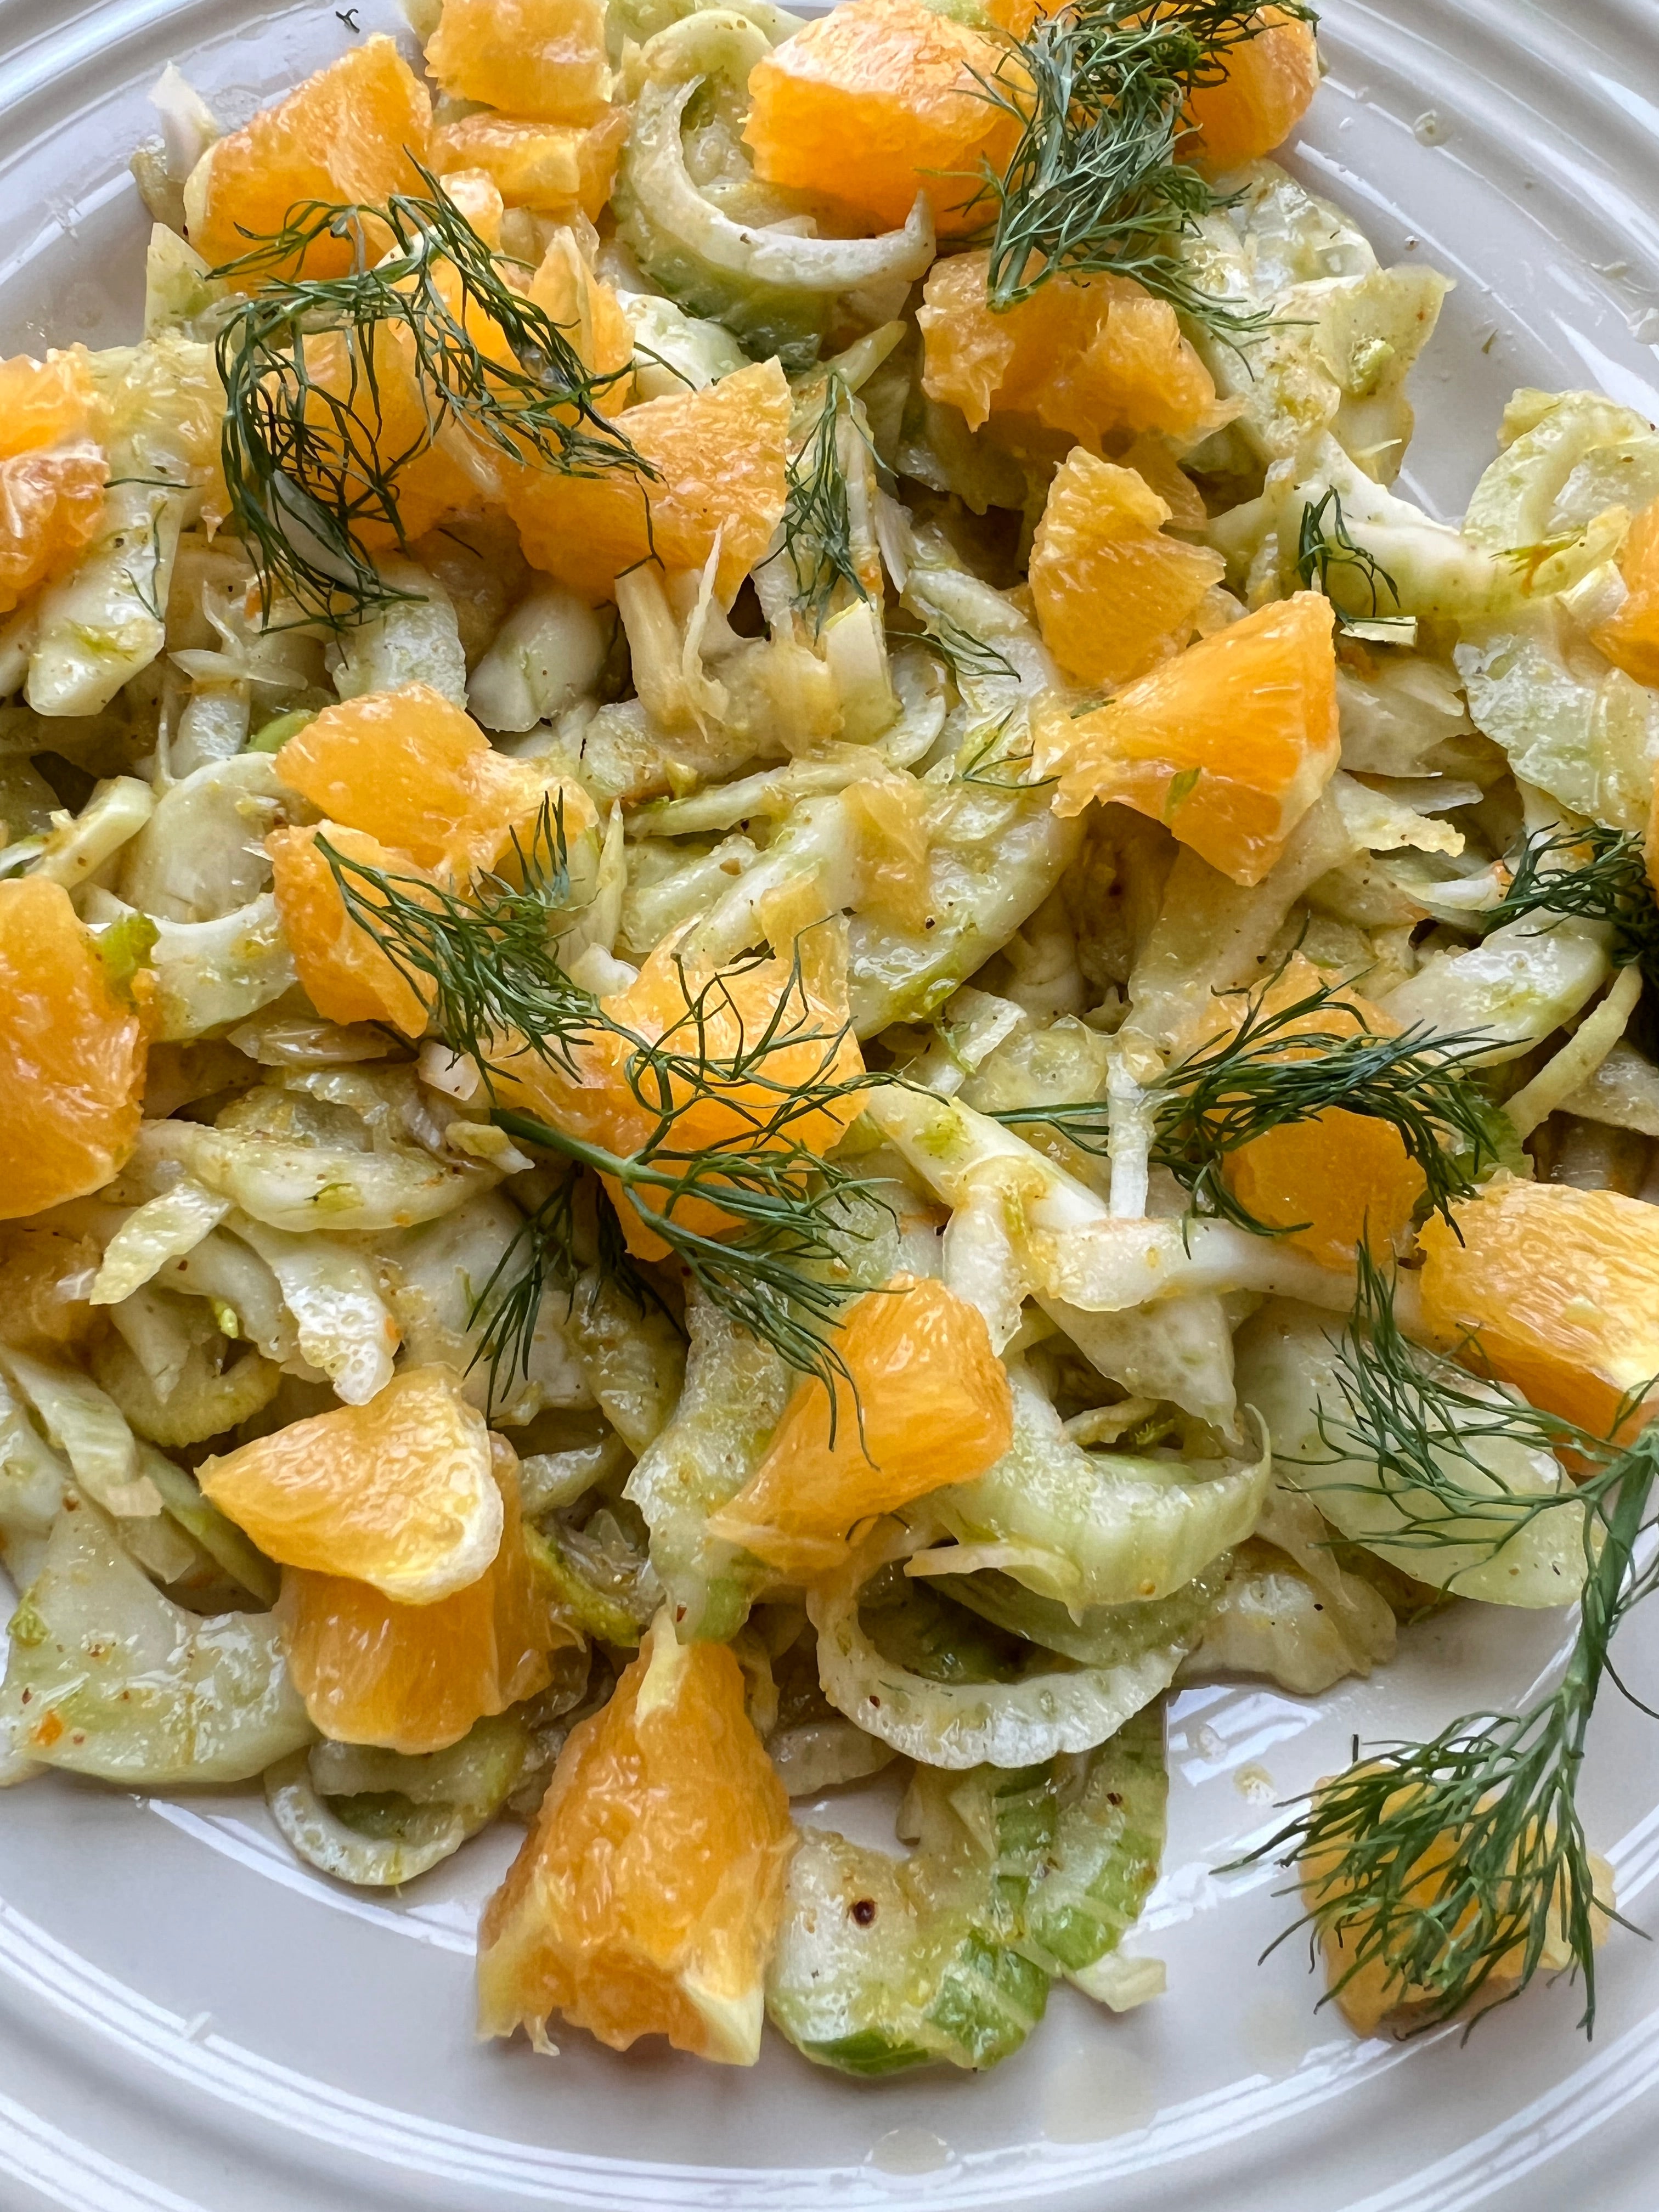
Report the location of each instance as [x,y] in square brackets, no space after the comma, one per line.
[52,470]
[1150,457]
[1339,1179]
[648,1895]
[1630,639]
[720,456]
[418,775]
[1559,1289]
[414,1678]
[587,311]
[1269,82]
[1230,743]
[1114,595]
[72,1055]
[891,815]
[352,133]
[790,1018]
[342,971]
[1347,1179]
[392,411]
[478,197]
[935,1407]
[399,1493]
[385,412]
[1369,1992]
[541,58]
[45,1277]
[877,101]
[1086,354]
[554,167]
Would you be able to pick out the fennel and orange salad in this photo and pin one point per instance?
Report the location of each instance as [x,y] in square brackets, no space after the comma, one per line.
[789,991]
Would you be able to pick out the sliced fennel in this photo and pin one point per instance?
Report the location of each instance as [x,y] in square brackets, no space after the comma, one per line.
[1291,1370]
[108,1677]
[1052,1705]
[379,1818]
[883,1964]
[1093,1527]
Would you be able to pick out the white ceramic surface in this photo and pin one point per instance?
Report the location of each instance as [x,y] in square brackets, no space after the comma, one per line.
[191,2022]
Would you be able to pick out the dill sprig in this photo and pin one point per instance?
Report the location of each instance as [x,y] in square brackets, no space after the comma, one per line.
[985,761]
[792,1209]
[488,966]
[1454,1864]
[1594,874]
[1325,543]
[541,1255]
[1419,1419]
[968,658]
[485,962]
[818,515]
[549,1252]
[1274,1070]
[1096,181]
[315,439]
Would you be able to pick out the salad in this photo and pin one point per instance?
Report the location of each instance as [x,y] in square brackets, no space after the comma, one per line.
[788,990]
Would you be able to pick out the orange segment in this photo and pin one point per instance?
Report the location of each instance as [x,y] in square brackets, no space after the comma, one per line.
[1558,1287]
[342,969]
[543,58]
[720,456]
[1270,80]
[1230,743]
[414,1678]
[1371,1990]
[52,470]
[554,167]
[398,1493]
[44,402]
[649,1894]
[1086,354]
[1348,1178]
[352,133]
[891,817]
[936,1409]
[72,1055]
[1113,594]
[418,775]
[589,315]
[788,1017]
[875,101]
[1630,639]
[478,197]
[367,400]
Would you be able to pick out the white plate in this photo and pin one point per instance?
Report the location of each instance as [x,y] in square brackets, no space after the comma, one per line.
[189,2022]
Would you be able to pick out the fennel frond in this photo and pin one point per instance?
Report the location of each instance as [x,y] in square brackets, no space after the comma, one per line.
[316,437]
[1097,180]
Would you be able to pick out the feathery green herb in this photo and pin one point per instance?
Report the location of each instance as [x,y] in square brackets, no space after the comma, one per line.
[1279,1067]
[573,1238]
[1098,181]
[1460,1867]
[484,963]
[985,761]
[817,514]
[315,438]
[1427,1427]
[1326,543]
[968,658]
[1595,874]
[488,965]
